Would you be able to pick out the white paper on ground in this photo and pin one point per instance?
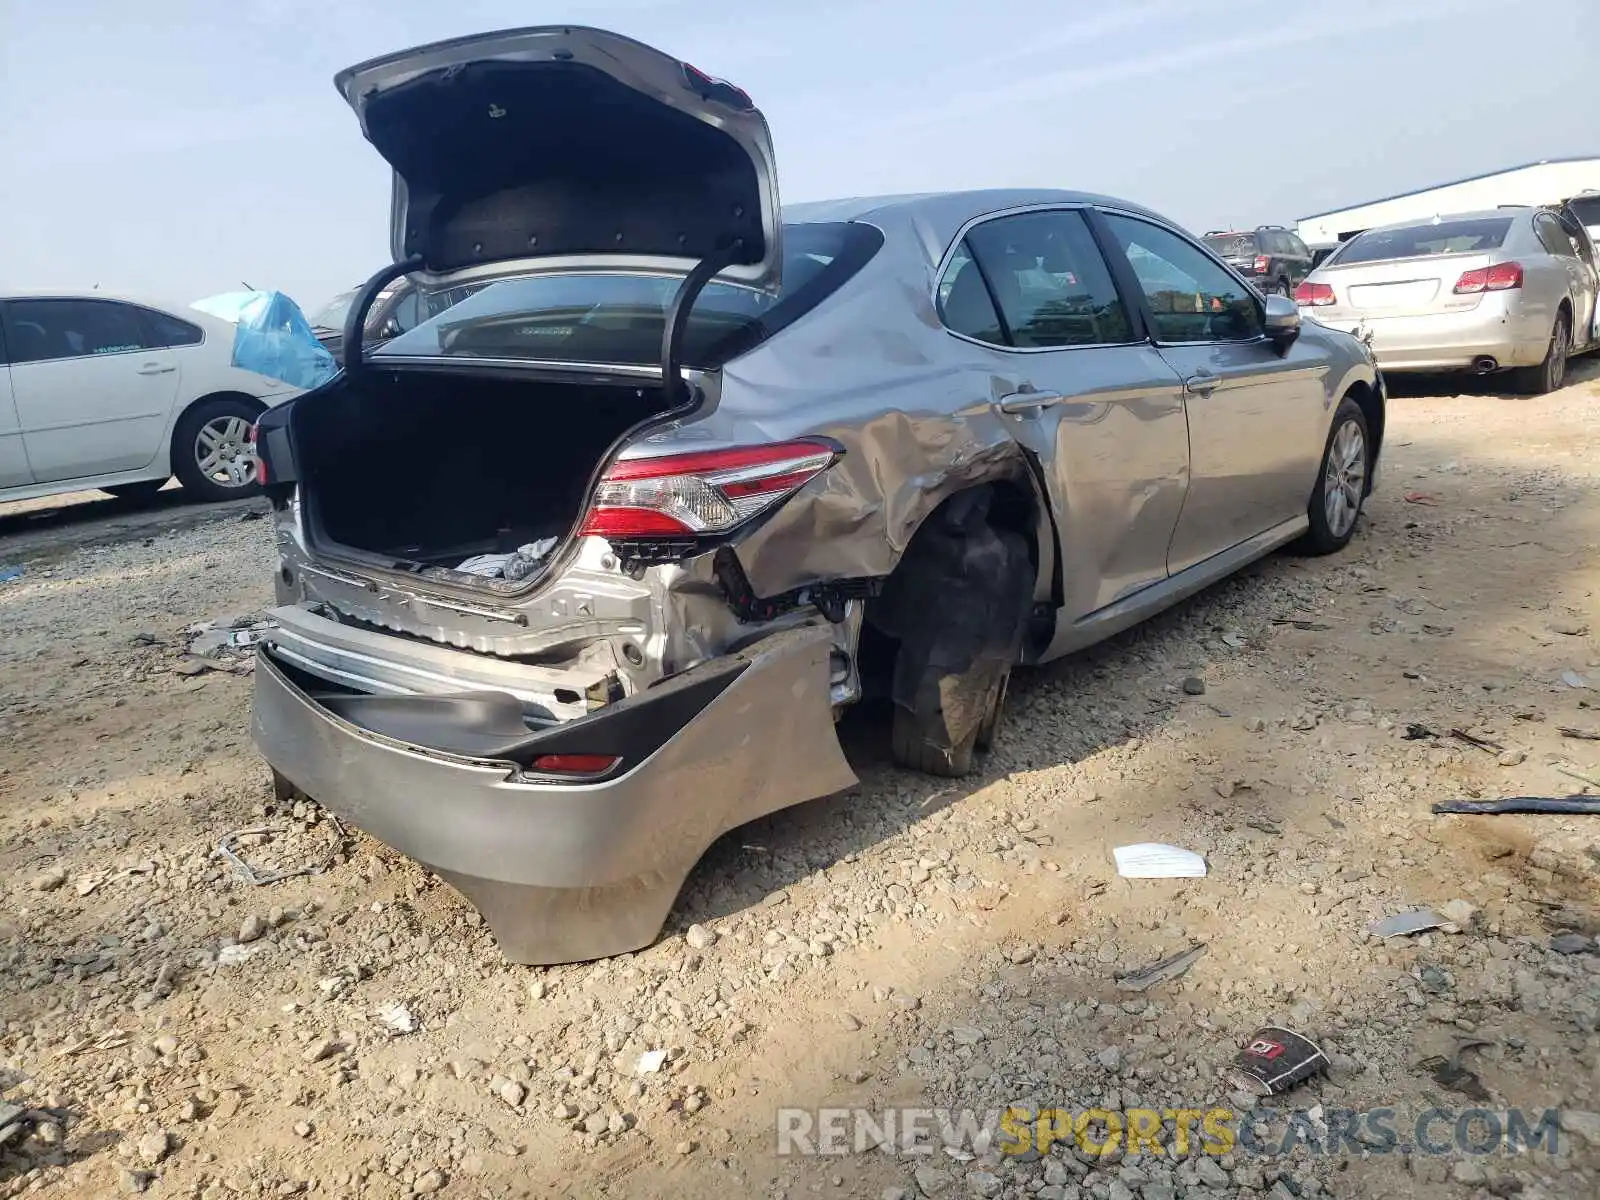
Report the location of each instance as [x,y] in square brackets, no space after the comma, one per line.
[1152,860]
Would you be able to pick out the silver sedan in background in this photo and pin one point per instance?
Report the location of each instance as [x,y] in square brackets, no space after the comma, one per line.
[1504,290]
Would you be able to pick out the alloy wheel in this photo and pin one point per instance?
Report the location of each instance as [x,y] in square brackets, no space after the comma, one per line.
[223,452]
[1345,478]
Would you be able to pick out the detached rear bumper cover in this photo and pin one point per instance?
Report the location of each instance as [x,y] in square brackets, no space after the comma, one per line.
[565,872]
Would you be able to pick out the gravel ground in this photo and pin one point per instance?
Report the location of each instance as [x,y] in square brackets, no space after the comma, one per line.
[170,1029]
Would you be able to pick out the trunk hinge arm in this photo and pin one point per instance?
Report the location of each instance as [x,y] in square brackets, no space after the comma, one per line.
[678,315]
[355,320]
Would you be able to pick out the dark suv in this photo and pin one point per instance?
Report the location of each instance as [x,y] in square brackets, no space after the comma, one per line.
[1271,257]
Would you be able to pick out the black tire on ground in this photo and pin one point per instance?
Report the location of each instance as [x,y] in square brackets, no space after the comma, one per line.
[990,729]
[142,490]
[1323,537]
[911,747]
[1285,288]
[185,460]
[1548,375]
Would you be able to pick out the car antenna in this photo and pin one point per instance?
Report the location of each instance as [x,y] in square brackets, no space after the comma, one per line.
[247,287]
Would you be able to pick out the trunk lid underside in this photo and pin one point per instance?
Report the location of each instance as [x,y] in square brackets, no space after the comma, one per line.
[515,150]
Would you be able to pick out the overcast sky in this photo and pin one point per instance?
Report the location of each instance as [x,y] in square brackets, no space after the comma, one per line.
[179,147]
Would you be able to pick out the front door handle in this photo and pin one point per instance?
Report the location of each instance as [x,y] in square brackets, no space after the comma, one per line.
[155,369]
[1022,403]
[1200,385]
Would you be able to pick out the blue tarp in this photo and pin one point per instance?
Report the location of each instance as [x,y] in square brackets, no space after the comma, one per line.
[272,337]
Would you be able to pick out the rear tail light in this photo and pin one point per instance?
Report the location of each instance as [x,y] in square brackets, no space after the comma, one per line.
[1263,264]
[1502,277]
[1316,295]
[261,463]
[573,764]
[705,493]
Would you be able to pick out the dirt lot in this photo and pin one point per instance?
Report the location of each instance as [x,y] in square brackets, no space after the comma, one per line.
[175,1030]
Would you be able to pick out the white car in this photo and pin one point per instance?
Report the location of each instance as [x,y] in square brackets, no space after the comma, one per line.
[114,393]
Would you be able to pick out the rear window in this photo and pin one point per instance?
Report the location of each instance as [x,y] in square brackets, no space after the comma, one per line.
[1421,241]
[1237,245]
[616,318]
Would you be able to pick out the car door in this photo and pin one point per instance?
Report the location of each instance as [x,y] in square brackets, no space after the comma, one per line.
[93,396]
[1257,415]
[1081,389]
[1564,248]
[14,469]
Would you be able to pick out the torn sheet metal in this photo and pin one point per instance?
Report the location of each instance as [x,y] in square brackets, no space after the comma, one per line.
[1146,978]
[1415,921]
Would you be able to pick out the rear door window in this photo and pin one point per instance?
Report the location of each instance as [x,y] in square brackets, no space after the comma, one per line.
[1051,284]
[167,330]
[1552,237]
[43,330]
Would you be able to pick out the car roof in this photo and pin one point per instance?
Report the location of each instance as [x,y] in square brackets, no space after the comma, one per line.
[944,213]
[57,293]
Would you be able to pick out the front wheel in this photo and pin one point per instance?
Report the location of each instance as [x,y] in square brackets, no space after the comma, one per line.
[211,451]
[1341,487]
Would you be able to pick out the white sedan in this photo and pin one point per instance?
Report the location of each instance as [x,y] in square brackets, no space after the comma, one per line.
[119,394]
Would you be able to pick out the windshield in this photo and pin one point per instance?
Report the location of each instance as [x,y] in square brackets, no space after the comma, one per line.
[617,318]
[332,314]
[1421,241]
[1232,245]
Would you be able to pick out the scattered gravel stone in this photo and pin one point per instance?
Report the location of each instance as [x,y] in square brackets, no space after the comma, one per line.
[153,1147]
[50,879]
[699,937]
[1193,685]
[251,929]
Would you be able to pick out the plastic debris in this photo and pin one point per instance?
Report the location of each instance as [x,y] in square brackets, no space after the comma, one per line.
[1152,860]
[1415,921]
[1448,1072]
[1168,968]
[651,1061]
[1273,1060]
[1568,805]
[256,879]
[272,337]
[7,574]
[232,956]
[1573,680]
[398,1018]
[519,564]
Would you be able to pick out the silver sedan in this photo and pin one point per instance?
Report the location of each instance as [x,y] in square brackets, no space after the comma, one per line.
[1504,290]
[578,575]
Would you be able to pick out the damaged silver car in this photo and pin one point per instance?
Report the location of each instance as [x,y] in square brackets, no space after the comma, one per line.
[578,575]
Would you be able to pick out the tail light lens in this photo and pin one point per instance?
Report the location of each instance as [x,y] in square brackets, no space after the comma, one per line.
[1317,295]
[705,493]
[1263,264]
[261,463]
[1502,277]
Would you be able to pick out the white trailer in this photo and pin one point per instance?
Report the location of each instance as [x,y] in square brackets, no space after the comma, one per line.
[1548,181]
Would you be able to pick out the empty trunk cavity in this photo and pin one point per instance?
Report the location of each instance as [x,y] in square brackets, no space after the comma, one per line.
[425,472]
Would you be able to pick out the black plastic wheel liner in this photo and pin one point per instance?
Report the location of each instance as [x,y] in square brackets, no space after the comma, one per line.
[959,604]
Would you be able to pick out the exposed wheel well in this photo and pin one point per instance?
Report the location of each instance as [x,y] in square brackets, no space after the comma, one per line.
[1371,408]
[1009,508]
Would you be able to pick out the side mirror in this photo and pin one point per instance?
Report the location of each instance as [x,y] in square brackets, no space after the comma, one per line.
[1282,321]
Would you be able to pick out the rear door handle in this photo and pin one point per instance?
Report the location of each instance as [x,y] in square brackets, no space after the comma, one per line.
[1200,385]
[155,369]
[1022,403]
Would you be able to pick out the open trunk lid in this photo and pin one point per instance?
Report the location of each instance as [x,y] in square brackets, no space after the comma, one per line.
[533,149]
